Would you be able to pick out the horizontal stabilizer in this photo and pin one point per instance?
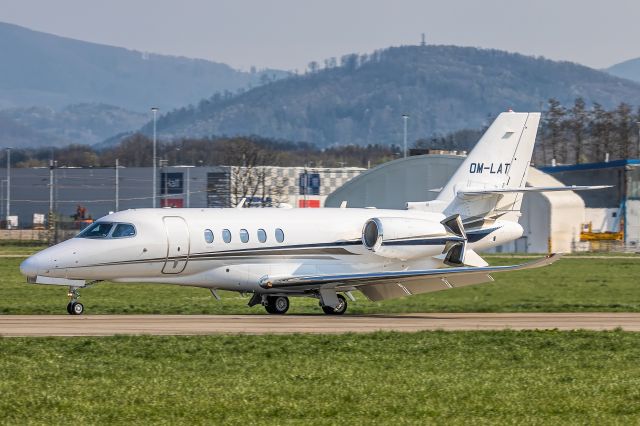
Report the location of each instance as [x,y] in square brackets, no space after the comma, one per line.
[490,191]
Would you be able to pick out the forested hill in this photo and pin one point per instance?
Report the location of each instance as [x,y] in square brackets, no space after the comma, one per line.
[361,99]
[628,69]
[45,70]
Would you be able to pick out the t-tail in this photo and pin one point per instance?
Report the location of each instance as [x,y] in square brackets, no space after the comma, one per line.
[490,183]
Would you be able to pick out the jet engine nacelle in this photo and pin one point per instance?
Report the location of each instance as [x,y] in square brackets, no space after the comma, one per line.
[403,238]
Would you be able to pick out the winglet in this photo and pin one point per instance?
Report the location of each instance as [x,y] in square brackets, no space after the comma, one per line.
[547,260]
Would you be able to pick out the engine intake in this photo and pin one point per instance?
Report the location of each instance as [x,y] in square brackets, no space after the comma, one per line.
[372,234]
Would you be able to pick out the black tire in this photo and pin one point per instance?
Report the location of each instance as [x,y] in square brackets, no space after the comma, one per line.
[69,310]
[77,308]
[339,310]
[278,305]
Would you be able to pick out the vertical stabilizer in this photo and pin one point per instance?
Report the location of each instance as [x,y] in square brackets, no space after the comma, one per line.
[500,160]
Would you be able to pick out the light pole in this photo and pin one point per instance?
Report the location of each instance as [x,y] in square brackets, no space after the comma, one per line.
[405,117]
[117,185]
[638,124]
[155,113]
[8,186]
[2,183]
[188,187]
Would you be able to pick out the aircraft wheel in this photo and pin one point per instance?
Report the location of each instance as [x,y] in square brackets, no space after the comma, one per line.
[75,308]
[277,305]
[338,310]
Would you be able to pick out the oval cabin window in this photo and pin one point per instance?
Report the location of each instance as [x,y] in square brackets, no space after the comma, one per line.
[244,235]
[279,235]
[208,236]
[262,236]
[226,236]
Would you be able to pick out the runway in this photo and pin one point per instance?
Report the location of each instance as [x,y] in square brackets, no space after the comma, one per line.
[107,325]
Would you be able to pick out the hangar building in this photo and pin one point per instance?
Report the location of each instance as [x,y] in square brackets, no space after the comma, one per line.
[612,216]
[551,221]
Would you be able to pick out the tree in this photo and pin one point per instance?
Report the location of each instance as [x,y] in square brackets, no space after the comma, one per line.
[601,132]
[249,176]
[623,128]
[349,62]
[554,124]
[577,124]
[133,151]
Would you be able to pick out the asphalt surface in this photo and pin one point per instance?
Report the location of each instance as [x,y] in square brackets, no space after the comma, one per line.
[106,325]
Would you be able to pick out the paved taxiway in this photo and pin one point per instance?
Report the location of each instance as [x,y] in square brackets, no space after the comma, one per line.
[105,325]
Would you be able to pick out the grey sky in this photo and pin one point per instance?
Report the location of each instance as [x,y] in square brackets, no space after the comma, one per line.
[287,34]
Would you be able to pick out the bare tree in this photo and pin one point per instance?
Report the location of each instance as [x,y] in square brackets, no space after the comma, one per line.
[554,124]
[577,124]
[623,127]
[313,67]
[250,172]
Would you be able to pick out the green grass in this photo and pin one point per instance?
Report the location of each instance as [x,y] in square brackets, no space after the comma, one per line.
[24,248]
[569,285]
[543,377]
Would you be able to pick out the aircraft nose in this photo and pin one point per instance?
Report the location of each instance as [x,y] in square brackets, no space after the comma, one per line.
[30,266]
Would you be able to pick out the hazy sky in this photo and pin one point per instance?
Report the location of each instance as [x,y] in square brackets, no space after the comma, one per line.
[287,34]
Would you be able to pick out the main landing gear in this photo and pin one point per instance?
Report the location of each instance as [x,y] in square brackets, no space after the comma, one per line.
[340,309]
[330,302]
[277,304]
[74,307]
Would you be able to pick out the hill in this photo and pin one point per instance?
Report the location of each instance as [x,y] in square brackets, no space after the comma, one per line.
[75,124]
[628,69]
[442,88]
[40,69]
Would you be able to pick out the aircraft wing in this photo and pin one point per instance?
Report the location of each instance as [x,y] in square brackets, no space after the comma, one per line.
[481,191]
[387,285]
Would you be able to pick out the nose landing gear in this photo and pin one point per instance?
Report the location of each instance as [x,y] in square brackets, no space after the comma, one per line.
[74,307]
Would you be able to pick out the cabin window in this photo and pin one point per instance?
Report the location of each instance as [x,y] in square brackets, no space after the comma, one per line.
[244,235]
[124,230]
[226,236]
[279,235]
[262,236]
[208,236]
[97,230]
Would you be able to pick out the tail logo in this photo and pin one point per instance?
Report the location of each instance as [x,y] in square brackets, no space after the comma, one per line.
[490,168]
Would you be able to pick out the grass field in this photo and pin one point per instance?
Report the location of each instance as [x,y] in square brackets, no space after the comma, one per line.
[574,284]
[503,377]
[507,377]
[24,249]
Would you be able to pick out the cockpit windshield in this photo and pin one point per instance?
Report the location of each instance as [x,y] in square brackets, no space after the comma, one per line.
[97,230]
[108,230]
[123,230]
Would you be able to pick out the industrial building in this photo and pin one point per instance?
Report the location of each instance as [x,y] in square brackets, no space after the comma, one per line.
[551,221]
[94,192]
[612,216]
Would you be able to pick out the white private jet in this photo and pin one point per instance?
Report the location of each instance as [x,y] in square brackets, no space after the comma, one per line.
[274,254]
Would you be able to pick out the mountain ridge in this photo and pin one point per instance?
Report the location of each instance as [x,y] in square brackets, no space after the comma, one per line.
[442,88]
[629,69]
[41,69]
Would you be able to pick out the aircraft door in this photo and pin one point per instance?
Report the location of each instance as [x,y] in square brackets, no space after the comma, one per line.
[177,245]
